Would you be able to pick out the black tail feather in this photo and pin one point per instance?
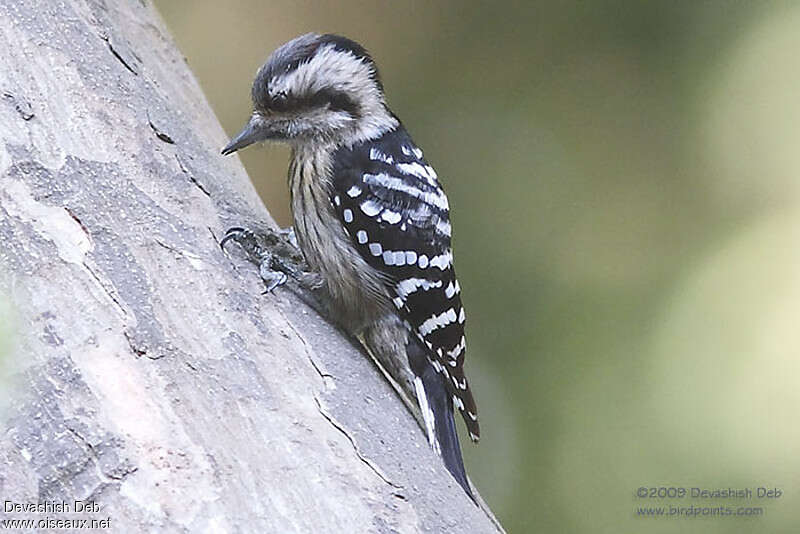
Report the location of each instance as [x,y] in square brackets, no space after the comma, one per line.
[441,404]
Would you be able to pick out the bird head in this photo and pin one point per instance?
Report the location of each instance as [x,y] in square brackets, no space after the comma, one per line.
[316,89]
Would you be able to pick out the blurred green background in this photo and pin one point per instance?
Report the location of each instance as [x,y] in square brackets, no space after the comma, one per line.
[624,186]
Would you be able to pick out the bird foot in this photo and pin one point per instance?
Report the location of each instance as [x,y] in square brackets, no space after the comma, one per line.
[275,253]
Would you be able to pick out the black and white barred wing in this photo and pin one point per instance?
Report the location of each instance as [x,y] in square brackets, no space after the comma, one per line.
[397,215]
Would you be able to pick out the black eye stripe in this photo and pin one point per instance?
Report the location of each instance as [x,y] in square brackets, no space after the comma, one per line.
[341,102]
[336,100]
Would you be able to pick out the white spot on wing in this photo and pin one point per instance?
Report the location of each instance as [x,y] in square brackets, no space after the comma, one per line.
[370,208]
[453,355]
[411,285]
[442,261]
[437,321]
[354,191]
[375,249]
[348,215]
[377,155]
[443,227]
[418,170]
[361,235]
[450,290]
[435,198]
[392,217]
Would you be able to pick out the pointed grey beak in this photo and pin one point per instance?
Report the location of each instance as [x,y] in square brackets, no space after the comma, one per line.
[252,133]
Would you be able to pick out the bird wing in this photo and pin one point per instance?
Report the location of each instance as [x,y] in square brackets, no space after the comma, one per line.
[393,208]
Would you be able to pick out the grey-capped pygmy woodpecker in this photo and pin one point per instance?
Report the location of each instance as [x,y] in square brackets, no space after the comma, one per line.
[372,222]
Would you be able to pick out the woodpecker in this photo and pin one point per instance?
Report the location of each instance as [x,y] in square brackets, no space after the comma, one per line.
[371,219]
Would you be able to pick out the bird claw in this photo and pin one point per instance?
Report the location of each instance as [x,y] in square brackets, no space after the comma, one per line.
[246,239]
[275,253]
[272,279]
[229,234]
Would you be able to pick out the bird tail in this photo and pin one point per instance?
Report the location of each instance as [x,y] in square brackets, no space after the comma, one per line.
[437,409]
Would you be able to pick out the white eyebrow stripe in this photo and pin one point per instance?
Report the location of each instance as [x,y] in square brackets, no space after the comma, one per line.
[326,64]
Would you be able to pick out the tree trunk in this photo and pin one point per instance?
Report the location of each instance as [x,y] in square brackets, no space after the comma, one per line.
[149,375]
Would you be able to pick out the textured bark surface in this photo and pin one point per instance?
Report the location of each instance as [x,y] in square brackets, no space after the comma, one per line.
[148,373]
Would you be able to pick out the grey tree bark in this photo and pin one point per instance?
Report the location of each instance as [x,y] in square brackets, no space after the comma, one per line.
[149,375]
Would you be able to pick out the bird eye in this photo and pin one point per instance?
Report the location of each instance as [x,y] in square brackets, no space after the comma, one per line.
[279,101]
